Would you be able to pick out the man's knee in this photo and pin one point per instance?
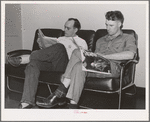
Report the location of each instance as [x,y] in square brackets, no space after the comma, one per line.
[76,52]
[60,47]
[31,67]
[78,68]
[34,54]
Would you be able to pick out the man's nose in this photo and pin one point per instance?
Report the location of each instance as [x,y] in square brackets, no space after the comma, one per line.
[108,28]
[65,29]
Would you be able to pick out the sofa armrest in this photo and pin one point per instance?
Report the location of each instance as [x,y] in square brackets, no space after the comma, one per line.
[125,63]
[19,52]
[24,54]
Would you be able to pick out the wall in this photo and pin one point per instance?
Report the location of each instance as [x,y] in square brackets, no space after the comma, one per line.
[91,16]
[13,34]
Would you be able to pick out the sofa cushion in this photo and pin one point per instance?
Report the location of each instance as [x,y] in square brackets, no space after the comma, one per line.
[54,78]
[49,77]
[103,84]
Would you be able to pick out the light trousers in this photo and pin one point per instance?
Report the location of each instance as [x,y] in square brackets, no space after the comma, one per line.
[76,75]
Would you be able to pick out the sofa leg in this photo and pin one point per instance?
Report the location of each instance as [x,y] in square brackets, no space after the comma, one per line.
[8,87]
[120,89]
[119,106]
[49,88]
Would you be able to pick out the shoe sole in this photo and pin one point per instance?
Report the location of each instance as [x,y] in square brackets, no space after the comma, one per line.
[27,107]
[63,103]
[43,106]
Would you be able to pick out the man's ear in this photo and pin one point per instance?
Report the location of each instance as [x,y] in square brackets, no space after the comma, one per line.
[76,29]
[119,23]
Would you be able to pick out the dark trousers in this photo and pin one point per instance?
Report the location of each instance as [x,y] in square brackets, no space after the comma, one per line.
[53,58]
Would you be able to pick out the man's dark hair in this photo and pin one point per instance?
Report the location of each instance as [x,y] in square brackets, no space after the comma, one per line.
[76,23]
[115,15]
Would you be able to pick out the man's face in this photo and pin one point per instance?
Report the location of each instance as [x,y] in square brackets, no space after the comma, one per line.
[113,27]
[69,29]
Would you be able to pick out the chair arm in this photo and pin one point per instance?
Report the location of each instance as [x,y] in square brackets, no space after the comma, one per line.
[124,63]
[19,52]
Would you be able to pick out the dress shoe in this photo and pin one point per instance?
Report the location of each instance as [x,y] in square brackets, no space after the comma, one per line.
[26,107]
[51,101]
[72,106]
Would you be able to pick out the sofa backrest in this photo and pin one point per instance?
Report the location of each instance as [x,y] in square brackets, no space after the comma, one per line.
[88,36]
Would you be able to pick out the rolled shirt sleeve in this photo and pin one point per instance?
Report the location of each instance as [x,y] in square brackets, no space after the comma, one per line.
[130,44]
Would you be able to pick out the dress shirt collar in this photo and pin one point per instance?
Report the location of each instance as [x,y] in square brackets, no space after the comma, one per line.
[110,38]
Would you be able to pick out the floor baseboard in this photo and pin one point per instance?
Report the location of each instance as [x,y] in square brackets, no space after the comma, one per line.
[140,90]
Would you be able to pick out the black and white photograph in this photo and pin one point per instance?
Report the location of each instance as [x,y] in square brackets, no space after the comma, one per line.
[48,46]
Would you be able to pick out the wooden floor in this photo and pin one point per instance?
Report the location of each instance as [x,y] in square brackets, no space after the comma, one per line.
[91,100]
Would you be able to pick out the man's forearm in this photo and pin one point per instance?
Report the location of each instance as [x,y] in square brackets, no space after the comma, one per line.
[126,55]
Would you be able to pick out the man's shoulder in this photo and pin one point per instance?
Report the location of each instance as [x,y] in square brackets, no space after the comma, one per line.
[127,35]
[79,38]
[64,37]
[102,38]
[61,37]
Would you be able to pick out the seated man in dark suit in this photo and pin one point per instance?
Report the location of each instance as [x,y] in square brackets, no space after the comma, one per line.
[53,58]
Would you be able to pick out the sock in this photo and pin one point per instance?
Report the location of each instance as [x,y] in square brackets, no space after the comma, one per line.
[24,104]
[61,91]
[72,102]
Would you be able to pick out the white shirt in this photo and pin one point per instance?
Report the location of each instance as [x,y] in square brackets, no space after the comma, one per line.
[70,46]
[68,42]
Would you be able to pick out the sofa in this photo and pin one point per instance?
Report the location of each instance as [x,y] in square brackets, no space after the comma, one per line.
[48,81]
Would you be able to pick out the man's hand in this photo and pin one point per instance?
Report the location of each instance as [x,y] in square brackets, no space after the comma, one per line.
[84,64]
[99,54]
[90,54]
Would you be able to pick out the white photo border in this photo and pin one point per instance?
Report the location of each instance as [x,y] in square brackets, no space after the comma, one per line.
[75,115]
